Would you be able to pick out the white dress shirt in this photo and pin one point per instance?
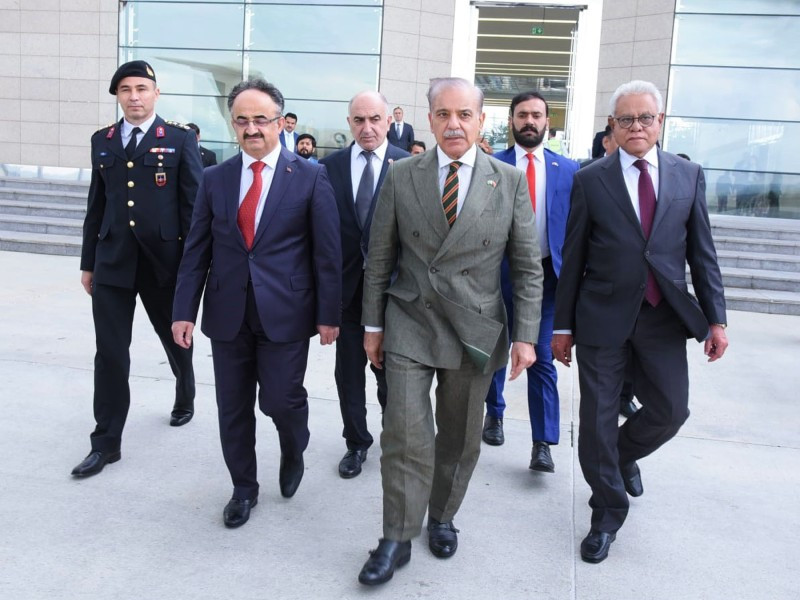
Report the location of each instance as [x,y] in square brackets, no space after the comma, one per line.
[267,174]
[289,139]
[358,162]
[541,191]
[631,174]
[127,129]
[464,173]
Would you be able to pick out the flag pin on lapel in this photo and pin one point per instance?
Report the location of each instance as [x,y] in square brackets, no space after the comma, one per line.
[491,182]
[554,163]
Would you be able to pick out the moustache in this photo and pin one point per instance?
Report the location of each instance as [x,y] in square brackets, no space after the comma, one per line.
[531,128]
[453,133]
[248,136]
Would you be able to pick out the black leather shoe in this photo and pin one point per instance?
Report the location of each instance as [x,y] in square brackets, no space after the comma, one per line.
[180,416]
[493,431]
[95,462]
[442,538]
[632,478]
[594,547]
[541,459]
[350,465]
[627,408]
[237,511]
[382,561]
[291,474]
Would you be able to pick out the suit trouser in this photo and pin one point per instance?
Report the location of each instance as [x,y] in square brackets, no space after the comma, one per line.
[351,381]
[543,402]
[419,468]
[657,348]
[113,309]
[279,370]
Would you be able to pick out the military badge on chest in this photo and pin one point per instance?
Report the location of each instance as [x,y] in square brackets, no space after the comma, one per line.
[161,175]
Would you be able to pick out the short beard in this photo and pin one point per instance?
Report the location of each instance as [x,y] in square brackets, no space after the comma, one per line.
[527,142]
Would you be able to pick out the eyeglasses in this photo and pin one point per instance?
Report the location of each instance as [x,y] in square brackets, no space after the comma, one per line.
[627,122]
[257,121]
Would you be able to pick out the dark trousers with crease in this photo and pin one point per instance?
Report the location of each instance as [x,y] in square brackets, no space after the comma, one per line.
[351,381]
[113,309]
[278,370]
[657,350]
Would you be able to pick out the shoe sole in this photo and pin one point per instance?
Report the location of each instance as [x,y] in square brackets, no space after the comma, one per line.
[349,475]
[598,559]
[180,422]
[111,459]
[493,442]
[404,560]
[542,468]
[235,525]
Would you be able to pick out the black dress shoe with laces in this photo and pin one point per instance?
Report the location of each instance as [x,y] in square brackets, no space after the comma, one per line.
[237,511]
[541,460]
[380,566]
[180,417]
[290,474]
[594,547]
[94,463]
[627,408]
[493,431]
[442,538]
[632,478]
[350,465]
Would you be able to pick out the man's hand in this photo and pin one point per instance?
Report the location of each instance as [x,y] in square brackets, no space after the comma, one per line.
[561,345]
[523,355]
[182,333]
[327,334]
[716,344]
[87,277]
[373,346]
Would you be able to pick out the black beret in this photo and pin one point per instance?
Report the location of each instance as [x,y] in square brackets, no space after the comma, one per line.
[135,68]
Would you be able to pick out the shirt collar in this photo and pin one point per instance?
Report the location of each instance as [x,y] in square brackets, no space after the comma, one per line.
[468,158]
[627,160]
[128,127]
[271,159]
[380,151]
[538,152]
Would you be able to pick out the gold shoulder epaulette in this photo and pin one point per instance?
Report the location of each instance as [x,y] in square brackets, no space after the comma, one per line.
[176,124]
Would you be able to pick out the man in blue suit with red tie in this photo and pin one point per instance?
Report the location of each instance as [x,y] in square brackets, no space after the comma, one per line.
[264,243]
[550,184]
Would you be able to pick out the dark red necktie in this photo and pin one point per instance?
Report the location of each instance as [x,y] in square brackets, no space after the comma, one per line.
[247,211]
[647,210]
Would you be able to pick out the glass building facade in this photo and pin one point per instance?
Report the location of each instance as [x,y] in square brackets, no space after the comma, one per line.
[733,103]
[319,53]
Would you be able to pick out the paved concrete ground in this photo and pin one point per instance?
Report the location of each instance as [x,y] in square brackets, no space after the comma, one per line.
[720,517]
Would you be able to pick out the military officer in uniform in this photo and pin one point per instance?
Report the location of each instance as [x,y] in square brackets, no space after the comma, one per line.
[145,174]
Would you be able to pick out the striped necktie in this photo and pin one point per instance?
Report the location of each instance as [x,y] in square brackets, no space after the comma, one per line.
[450,193]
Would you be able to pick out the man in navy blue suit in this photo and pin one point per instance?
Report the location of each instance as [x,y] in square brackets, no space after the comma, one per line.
[550,183]
[264,243]
[357,173]
[400,134]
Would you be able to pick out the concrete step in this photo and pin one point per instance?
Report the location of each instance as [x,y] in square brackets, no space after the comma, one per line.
[42,209]
[53,185]
[759,260]
[763,301]
[34,224]
[47,196]
[40,243]
[749,244]
[760,279]
[755,227]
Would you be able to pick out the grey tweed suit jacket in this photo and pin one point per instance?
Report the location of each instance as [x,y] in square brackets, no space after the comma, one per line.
[445,298]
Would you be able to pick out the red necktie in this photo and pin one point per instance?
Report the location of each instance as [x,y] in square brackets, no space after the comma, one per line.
[247,211]
[647,210]
[530,175]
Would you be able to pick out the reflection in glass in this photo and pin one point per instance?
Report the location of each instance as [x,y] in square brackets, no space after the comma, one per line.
[315,29]
[753,193]
[323,76]
[210,114]
[192,72]
[734,93]
[737,41]
[747,7]
[724,144]
[326,121]
[182,25]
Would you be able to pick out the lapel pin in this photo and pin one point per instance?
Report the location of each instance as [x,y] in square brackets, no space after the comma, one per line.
[491,182]
[554,163]
[288,169]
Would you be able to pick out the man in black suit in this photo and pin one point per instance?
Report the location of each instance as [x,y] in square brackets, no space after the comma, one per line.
[145,173]
[637,217]
[356,173]
[400,134]
[207,156]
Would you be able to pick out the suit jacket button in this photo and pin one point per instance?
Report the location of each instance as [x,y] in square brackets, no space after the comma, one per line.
[132,223]
[130,164]
[415,233]
[130,184]
[647,252]
[434,270]
[427,305]
[251,256]
[641,287]
[485,242]
[465,272]
[130,202]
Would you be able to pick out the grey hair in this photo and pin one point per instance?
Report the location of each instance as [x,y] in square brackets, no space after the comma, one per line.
[256,83]
[441,83]
[637,86]
[373,93]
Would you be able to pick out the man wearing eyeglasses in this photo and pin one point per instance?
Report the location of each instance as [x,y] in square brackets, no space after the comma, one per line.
[264,244]
[637,217]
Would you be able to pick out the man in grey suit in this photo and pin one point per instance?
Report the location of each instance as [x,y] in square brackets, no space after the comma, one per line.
[637,217]
[433,306]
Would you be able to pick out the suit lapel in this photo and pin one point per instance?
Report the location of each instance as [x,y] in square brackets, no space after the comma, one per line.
[149,139]
[667,175]
[552,173]
[284,172]
[425,179]
[115,143]
[231,186]
[345,169]
[616,188]
[481,187]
